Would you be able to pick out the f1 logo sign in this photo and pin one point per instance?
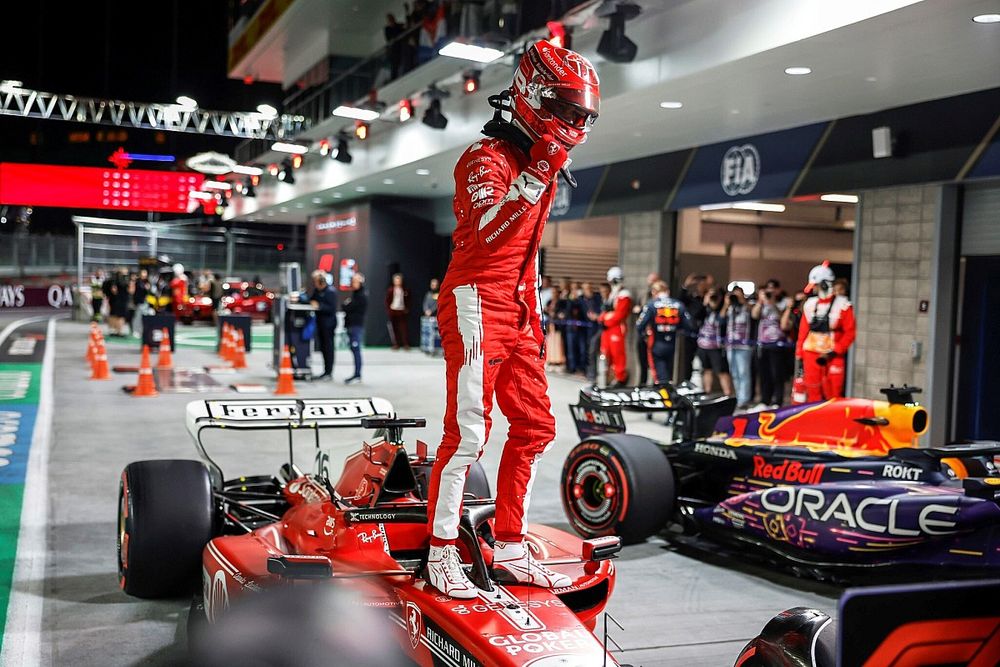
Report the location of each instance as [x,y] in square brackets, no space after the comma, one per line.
[740,170]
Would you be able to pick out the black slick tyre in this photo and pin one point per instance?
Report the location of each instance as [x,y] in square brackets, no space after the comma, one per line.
[618,485]
[165,519]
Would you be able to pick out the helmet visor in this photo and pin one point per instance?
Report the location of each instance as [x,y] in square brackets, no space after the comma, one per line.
[577,108]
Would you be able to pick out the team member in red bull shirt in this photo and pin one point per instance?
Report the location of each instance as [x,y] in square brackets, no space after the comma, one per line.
[661,320]
[826,332]
[488,311]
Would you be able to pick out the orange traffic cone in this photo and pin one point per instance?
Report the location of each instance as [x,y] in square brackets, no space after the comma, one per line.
[90,342]
[166,359]
[286,384]
[91,351]
[240,353]
[99,366]
[225,343]
[146,386]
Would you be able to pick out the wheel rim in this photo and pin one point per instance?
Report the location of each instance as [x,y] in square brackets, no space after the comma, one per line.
[593,494]
[123,538]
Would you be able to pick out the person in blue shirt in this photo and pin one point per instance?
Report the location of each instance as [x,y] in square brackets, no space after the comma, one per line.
[324,299]
[661,320]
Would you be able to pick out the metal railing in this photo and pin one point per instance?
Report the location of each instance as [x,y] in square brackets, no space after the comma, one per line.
[397,58]
[30,255]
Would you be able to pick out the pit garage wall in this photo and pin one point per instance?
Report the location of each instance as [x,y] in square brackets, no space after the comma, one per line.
[905,256]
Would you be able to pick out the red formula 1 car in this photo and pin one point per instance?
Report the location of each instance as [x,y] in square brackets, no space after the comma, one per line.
[180,519]
[243,298]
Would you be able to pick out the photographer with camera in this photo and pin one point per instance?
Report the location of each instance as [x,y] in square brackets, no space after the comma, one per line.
[711,345]
[772,311]
[739,345]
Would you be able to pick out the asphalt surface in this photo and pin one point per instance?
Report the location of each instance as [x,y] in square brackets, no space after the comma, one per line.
[676,609]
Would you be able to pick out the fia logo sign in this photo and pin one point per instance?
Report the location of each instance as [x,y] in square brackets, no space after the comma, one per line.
[740,170]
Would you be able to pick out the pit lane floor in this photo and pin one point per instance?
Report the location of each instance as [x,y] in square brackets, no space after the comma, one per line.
[676,610]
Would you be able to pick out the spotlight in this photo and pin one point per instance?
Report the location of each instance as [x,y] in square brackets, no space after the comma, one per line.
[405,110]
[614,45]
[286,174]
[249,187]
[558,35]
[361,130]
[340,153]
[272,169]
[471,84]
[296,161]
[433,116]
[324,147]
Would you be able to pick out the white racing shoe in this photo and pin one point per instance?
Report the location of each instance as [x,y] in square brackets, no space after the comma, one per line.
[445,573]
[513,564]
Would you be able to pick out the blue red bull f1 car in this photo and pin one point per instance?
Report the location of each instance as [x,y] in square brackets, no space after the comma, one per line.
[822,485]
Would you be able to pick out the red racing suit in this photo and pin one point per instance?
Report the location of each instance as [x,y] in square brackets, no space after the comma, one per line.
[613,336]
[491,334]
[827,326]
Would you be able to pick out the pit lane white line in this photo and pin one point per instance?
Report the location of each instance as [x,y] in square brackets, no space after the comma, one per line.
[16,324]
[22,636]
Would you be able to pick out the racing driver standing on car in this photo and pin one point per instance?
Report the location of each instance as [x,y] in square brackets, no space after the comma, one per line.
[488,311]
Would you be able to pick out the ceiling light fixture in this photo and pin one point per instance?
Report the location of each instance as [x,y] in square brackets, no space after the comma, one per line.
[745,206]
[986,18]
[844,199]
[187,103]
[798,71]
[433,116]
[283,147]
[423,172]
[360,188]
[471,82]
[388,181]
[203,196]
[671,105]
[216,185]
[759,206]
[614,45]
[405,110]
[479,54]
[356,113]
[317,200]
[247,171]
[340,153]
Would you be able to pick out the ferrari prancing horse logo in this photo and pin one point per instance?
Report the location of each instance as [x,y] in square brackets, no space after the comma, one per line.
[414,623]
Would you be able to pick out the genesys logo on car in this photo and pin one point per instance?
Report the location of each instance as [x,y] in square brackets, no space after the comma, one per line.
[787,471]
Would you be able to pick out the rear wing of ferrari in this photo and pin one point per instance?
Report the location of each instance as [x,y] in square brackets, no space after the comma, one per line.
[280,414]
[283,413]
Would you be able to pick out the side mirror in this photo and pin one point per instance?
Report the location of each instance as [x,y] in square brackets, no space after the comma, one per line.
[601,548]
[299,566]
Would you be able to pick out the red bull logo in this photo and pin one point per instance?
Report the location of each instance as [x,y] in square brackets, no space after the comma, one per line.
[787,471]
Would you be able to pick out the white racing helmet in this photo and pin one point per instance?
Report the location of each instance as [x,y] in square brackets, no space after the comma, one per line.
[178,270]
[820,279]
[615,274]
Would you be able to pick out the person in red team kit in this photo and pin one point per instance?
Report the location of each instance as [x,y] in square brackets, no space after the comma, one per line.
[617,310]
[826,332]
[488,310]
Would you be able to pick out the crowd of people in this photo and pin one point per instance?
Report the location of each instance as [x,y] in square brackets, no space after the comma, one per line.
[117,296]
[744,344]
